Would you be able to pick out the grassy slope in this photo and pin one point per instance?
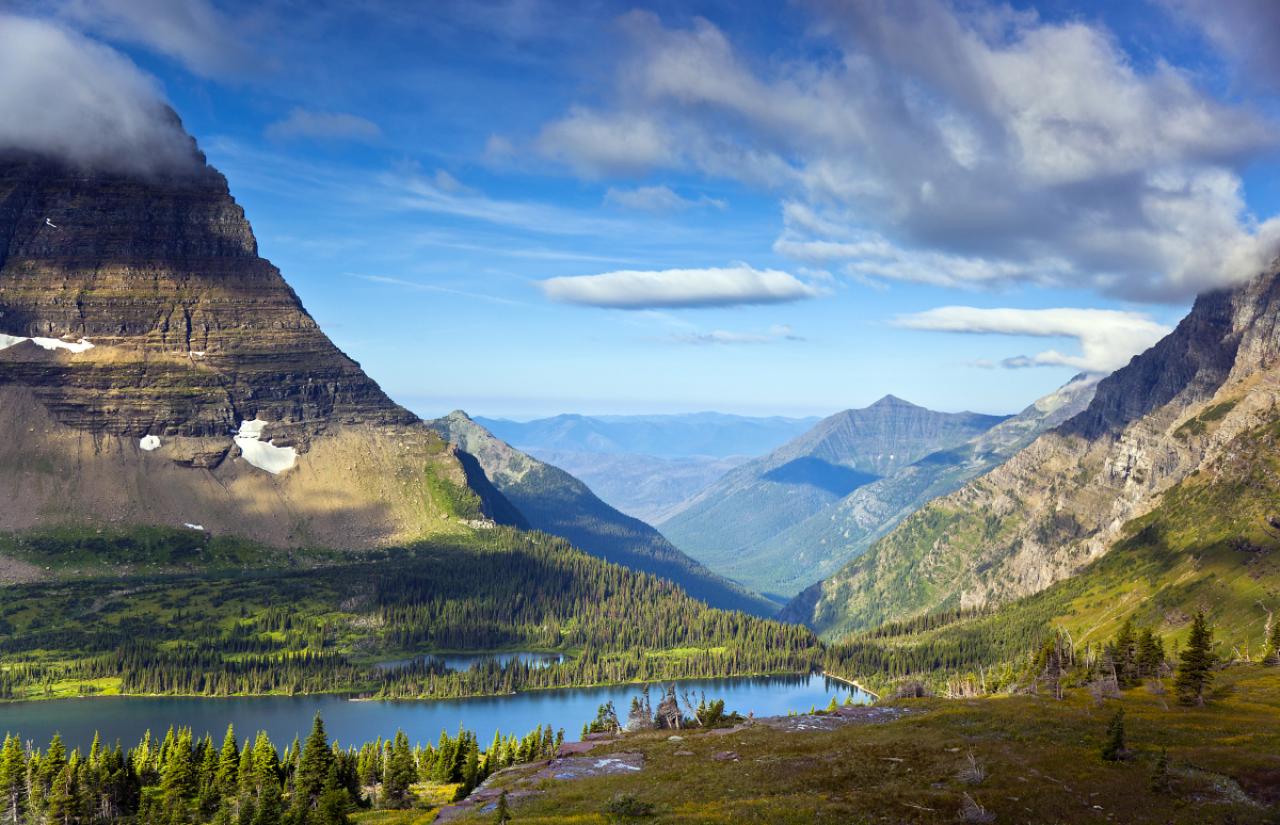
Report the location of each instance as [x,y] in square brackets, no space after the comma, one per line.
[1208,546]
[1042,759]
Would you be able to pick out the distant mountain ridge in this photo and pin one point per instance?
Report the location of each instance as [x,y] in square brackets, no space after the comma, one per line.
[717,435]
[555,502]
[642,486]
[824,542]
[761,499]
[1176,414]
[647,465]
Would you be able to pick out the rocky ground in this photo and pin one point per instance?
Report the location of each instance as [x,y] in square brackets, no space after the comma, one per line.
[1012,759]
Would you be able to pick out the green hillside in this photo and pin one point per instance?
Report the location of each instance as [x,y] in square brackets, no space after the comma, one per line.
[1211,545]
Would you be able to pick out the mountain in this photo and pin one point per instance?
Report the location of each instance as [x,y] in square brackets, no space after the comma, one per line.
[648,465]
[823,543]
[156,371]
[715,435]
[759,500]
[1171,462]
[646,487]
[555,502]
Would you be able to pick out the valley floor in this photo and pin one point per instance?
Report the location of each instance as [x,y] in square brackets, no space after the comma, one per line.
[1041,759]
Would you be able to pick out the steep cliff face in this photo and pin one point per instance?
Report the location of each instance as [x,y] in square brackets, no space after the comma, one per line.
[154,369]
[729,526]
[1063,501]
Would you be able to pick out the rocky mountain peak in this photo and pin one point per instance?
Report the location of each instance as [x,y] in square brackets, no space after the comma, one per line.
[192,332]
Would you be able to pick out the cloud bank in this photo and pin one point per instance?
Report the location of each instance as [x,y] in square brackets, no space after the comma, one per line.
[1243,30]
[679,288]
[973,148]
[1108,338]
[65,96]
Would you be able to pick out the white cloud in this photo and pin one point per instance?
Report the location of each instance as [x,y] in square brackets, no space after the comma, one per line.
[1108,338]
[303,123]
[673,288]
[598,144]
[193,32]
[65,96]
[656,199]
[778,332]
[979,147]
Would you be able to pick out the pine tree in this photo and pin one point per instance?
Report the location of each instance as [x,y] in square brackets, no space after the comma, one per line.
[177,775]
[228,763]
[400,773]
[1160,782]
[1195,670]
[13,785]
[334,803]
[1115,748]
[502,812]
[1125,655]
[1150,654]
[313,767]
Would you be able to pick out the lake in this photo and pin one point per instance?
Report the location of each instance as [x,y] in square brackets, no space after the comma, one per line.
[127,717]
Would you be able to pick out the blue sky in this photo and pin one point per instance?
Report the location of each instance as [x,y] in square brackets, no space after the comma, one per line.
[522,207]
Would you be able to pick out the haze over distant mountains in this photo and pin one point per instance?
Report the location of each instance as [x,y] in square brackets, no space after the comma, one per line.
[647,465]
[754,503]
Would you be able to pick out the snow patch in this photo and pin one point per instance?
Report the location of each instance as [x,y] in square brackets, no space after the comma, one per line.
[190,526]
[149,443]
[83,344]
[263,455]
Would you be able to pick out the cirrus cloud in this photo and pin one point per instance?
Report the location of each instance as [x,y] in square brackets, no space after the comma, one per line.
[303,123]
[735,285]
[1108,338]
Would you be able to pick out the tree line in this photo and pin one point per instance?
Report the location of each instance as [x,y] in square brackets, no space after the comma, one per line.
[185,780]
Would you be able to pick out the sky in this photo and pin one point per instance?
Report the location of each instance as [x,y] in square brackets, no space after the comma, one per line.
[525,207]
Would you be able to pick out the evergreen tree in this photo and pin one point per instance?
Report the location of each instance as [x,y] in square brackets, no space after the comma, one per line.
[1115,748]
[228,773]
[1150,654]
[314,766]
[400,773]
[177,776]
[502,812]
[1195,670]
[1125,655]
[13,779]
[1160,782]
[334,803]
